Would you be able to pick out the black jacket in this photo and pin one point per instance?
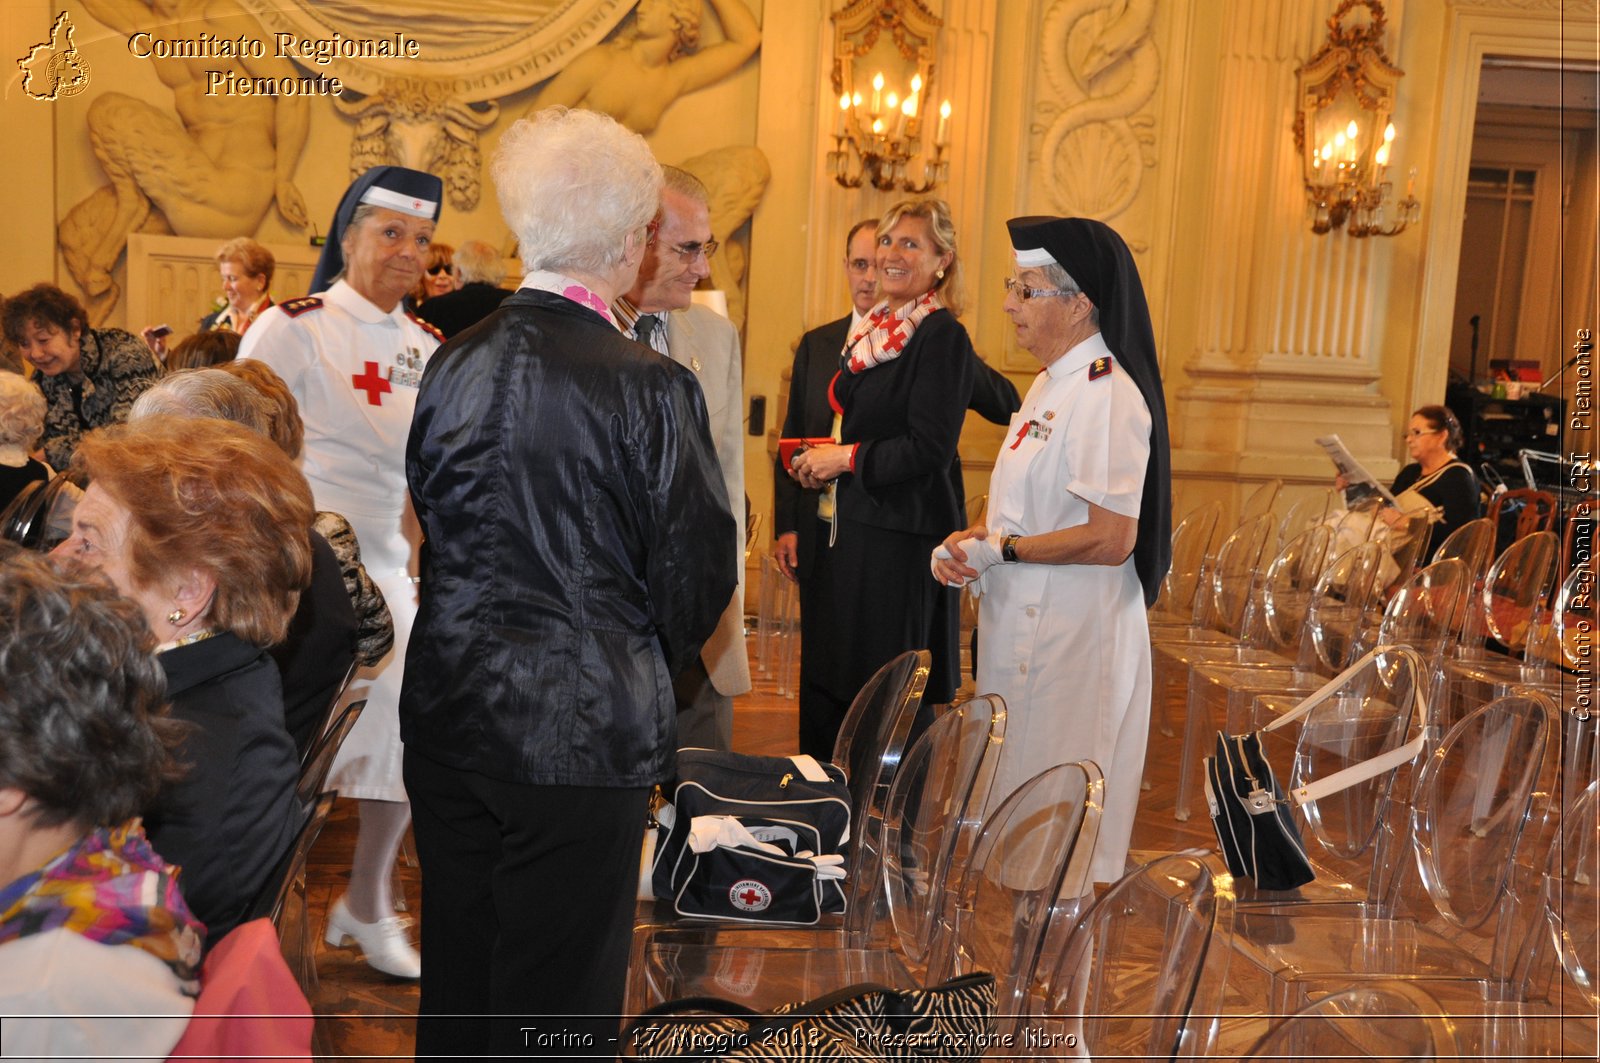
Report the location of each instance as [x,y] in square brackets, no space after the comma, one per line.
[455,312]
[579,549]
[231,818]
[816,360]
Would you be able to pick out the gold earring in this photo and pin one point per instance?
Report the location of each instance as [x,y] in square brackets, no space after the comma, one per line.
[940,274]
[176,616]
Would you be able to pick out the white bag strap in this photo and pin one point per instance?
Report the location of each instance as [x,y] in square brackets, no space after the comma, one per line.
[1367,769]
[810,770]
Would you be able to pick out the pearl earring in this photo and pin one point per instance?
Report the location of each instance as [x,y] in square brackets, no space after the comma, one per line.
[940,274]
[176,616]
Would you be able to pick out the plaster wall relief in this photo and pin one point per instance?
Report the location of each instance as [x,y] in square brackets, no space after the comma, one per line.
[197,165]
[1102,68]
[423,83]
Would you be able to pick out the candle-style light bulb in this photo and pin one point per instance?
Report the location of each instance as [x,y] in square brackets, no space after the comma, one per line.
[1382,157]
[944,124]
[916,84]
[909,108]
[1388,133]
[877,93]
[1351,131]
[877,127]
[855,101]
[893,102]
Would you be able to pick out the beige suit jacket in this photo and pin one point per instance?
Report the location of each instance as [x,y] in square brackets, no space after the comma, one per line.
[708,344]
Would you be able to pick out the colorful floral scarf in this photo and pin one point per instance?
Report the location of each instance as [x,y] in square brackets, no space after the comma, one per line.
[546,281]
[110,887]
[884,333]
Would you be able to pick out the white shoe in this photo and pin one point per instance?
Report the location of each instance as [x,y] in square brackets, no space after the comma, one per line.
[384,943]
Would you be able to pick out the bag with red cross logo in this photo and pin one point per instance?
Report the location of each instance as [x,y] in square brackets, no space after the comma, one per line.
[753,839]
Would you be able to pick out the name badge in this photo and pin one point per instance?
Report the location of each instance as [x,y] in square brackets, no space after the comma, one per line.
[406,372]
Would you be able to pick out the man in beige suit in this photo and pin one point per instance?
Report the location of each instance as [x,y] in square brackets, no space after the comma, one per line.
[659,312]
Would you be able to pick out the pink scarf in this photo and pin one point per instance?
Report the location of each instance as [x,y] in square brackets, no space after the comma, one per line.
[884,333]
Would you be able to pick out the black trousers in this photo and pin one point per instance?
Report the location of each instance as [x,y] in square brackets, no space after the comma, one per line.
[528,902]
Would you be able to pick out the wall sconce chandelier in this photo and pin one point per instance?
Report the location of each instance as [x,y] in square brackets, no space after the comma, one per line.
[881,119]
[1343,132]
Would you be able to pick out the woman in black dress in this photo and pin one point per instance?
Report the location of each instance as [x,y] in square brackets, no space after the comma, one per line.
[900,397]
[1435,473]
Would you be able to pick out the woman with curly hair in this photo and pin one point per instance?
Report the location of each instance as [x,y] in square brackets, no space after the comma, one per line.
[91,919]
[89,377]
[204,524]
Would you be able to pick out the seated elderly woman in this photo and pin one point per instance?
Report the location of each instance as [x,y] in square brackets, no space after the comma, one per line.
[315,656]
[91,920]
[204,524]
[21,424]
[89,377]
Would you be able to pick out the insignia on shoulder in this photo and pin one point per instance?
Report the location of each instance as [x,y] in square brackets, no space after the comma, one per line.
[1099,367]
[303,305]
[426,326]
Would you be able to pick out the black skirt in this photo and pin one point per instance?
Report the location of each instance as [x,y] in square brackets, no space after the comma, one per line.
[869,598]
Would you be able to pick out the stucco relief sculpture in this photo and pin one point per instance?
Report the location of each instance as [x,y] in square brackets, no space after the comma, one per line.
[212,169]
[422,124]
[637,76]
[736,178]
[1103,67]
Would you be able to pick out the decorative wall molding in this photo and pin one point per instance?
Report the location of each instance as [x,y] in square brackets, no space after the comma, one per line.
[1573,9]
[481,49]
[173,279]
[1102,69]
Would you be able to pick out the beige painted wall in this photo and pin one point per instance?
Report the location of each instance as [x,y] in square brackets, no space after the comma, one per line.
[1269,335]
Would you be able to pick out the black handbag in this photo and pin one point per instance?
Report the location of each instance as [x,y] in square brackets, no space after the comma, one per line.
[793,806]
[953,1021]
[1250,812]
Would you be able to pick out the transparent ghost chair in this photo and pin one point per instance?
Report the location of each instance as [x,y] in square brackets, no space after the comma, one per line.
[932,819]
[1510,608]
[1473,543]
[1193,541]
[1140,974]
[1454,907]
[991,918]
[1328,643]
[1224,589]
[1270,631]
[1261,500]
[1390,1021]
[1306,512]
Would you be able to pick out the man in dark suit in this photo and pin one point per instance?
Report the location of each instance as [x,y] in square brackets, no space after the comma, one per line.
[816,360]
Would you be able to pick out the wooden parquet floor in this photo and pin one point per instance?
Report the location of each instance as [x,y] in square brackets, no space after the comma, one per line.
[362,1014]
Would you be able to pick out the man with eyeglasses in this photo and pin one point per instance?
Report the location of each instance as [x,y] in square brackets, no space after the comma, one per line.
[1076,537]
[659,312]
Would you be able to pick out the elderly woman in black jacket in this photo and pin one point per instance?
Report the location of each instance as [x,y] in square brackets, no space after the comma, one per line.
[580,550]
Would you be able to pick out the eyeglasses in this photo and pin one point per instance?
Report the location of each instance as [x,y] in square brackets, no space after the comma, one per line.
[1415,433]
[1016,288]
[440,268]
[694,249]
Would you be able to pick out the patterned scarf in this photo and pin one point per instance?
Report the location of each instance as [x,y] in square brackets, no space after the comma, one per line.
[546,281]
[110,887]
[884,333]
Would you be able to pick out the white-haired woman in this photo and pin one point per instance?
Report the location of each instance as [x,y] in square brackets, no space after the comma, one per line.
[579,552]
[22,408]
[352,356]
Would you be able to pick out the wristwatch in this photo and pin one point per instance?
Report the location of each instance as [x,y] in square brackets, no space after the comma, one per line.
[1008,549]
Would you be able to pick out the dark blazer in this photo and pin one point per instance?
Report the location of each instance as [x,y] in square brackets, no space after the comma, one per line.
[816,360]
[234,815]
[459,310]
[907,416]
[319,648]
[579,549]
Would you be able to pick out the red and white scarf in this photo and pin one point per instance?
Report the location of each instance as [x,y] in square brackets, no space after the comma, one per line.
[883,334]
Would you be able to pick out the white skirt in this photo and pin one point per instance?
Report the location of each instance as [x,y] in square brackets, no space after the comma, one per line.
[368,766]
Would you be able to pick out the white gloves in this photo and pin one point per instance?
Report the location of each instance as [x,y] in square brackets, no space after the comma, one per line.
[982,554]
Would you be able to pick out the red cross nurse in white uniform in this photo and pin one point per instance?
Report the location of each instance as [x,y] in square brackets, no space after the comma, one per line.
[1075,540]
[353,357]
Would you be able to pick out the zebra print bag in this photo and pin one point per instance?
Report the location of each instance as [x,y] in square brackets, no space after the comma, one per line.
[953,1021]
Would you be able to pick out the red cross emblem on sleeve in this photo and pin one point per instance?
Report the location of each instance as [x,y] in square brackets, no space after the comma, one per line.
[373,384]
